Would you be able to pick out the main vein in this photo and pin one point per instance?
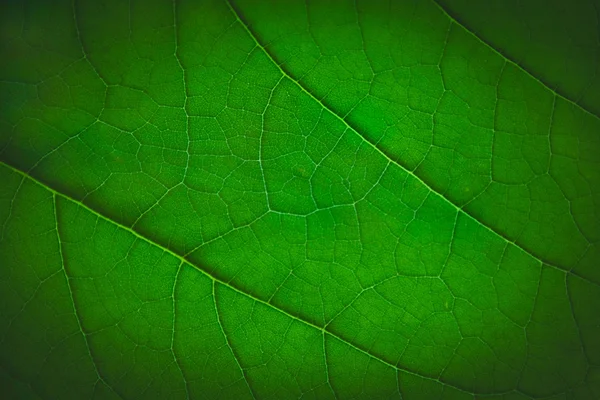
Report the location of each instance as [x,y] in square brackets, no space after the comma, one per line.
[246,26]
[231,286]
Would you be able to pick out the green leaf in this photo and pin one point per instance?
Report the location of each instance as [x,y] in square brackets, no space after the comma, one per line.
[281,200]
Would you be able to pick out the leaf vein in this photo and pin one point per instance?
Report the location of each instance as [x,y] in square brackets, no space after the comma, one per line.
[238,15]
[542,82]
[231,286]
[72,297]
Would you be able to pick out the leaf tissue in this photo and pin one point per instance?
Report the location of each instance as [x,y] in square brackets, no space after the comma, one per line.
[253,199]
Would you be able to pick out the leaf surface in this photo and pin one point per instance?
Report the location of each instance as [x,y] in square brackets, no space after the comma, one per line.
[278,200]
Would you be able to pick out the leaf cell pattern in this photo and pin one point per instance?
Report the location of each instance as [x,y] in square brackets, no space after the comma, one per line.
[281,200]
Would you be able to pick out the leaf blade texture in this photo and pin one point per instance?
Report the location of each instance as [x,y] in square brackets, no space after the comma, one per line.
[273,200]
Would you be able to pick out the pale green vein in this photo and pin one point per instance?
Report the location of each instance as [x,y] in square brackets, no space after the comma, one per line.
[227,284]
[83,47]
[72,298]
[509,60]
[234,10]
[233,354]
[10,209]
[185,90]
[575,323]
[175,358]
[327,374]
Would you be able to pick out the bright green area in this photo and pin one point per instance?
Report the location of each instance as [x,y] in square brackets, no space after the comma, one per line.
[282,200]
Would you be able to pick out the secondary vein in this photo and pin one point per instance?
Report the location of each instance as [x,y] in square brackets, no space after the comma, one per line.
[69,286]
[511,61]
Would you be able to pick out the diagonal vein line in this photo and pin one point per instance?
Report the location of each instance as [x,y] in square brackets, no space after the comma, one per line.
[324,330]
[511,61]
[174,353]
[215,280]
[239,16]
[233,353]
[72,297]
[231,286]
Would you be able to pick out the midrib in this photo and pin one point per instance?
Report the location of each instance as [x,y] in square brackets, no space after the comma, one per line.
[356,131]
[224,283]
